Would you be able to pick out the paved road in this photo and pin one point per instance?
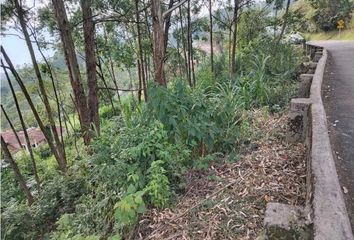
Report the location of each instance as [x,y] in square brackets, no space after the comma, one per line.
[338,97]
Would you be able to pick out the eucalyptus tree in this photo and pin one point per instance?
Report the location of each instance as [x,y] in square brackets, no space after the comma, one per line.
[90,58]
[19,13]
[211,36]
[23,125]
[160,24]
[87,114]
[49,111]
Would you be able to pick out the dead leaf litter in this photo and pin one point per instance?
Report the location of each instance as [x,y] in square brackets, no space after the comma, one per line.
[228,200]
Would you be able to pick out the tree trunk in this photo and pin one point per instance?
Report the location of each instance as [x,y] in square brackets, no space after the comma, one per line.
[111,64]
[48,108]
[140,89]
[51,75]
[186,58]
[90,58]
[167,24]
[24,128]
[101,75]
[211,37]
[21,181]
[190,43]
[11,126]
[74,71]
[140,52]
[285,21]
[34,111]
[234,41]
[158,42]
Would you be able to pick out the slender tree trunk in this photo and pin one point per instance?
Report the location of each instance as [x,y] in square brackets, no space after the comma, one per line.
[234,41]
[145,77]
[167,24]
[51,75]
[179,53]
[115,82]
[24,128]
[190,40]
[11,126]
[34,111]
[211,37]
[230,46]
[275,24]
[285,21]
[19,178]
[186,59]
[74,71]
[101,74]
[140,52]
[48,108]
[90,58]
[189,44]
[140,81]
[111,64]
[148,30]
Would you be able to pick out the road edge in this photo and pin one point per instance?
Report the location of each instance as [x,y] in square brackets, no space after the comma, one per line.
[330,217]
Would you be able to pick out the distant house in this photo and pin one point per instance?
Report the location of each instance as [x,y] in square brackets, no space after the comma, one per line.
[35,135]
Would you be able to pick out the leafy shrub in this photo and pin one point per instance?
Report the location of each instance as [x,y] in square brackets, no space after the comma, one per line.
[107,112]
[158,187]
[328,13]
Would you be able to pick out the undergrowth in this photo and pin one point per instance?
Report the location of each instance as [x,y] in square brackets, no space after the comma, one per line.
[144,149]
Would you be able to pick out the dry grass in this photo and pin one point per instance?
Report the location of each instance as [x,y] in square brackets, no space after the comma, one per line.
[228,200]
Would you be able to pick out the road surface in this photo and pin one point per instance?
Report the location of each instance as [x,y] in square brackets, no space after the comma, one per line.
[338,98]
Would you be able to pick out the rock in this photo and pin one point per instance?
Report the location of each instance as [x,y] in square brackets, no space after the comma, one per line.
[286,222]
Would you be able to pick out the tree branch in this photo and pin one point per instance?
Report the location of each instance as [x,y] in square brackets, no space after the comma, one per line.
[165,14]
[118,89]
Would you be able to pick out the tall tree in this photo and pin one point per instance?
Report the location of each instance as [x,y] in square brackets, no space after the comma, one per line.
[59,146]
[47,135]
[234,39]
[90,58]
[211,36]
[160,33]
[24,128]
[73,67]
[141,65]
[11,125]
[158,41]
[285,21]
[186,58]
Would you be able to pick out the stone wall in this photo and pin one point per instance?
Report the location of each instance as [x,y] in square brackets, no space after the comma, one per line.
[324,217]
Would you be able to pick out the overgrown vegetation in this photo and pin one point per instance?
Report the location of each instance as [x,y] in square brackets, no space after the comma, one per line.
[323,16]
[143,151]
[191,117]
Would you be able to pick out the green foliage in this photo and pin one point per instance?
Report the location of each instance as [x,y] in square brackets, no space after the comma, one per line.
[328,13]
[107,112]
[158,187]
[126,210]
[143,151]
[252,24]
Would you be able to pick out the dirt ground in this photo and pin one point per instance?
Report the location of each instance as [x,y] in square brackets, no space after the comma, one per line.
[228,200]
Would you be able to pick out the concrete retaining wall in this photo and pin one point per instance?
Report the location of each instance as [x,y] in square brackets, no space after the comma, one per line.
[325,214]
[330,217]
